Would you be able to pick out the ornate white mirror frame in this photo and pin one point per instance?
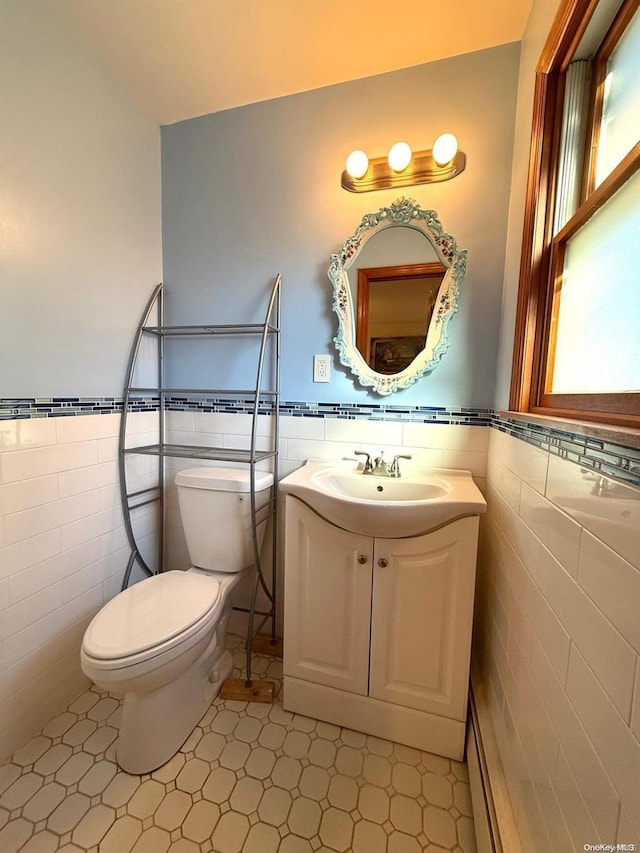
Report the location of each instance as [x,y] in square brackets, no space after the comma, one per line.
[402,213]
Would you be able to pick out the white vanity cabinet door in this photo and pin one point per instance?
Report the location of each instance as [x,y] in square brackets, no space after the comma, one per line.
[328,601]
[422,617]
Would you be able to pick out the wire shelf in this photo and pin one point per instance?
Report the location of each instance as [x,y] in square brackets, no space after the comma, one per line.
[190,451]
[220,330]
[263,400]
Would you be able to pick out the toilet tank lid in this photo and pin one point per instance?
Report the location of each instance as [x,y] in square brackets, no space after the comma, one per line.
[223,479]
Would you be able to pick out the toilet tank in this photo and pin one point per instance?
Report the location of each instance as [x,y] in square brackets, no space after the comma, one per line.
[215,507]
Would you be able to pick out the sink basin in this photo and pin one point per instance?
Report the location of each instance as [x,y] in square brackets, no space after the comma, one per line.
[421,500]
[352,485]
[614,512]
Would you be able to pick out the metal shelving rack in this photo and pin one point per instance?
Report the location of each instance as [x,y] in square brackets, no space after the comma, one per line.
[262,398]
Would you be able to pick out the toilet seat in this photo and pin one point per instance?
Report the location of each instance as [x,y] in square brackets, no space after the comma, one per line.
[151,618]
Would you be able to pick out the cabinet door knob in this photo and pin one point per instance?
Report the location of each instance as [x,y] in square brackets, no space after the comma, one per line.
[362,559]
[383,563]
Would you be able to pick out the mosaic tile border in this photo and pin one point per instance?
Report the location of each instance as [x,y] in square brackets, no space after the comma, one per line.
[38,407]
[604,457]
[16,408]
[347,411]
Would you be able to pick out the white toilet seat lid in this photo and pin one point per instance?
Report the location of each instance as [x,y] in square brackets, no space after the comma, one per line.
[150,613]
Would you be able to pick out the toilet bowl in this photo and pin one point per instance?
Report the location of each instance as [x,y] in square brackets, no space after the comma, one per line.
[160,643]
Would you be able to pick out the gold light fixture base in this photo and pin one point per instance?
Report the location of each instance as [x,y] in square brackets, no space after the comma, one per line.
[422,169]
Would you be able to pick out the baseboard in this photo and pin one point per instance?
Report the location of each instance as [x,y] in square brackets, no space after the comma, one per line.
[419,729]
[495,826]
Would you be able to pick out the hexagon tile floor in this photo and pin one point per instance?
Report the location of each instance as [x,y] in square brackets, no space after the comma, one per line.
[251,778]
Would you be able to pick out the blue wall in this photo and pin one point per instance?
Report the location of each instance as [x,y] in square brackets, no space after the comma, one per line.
[256,190]
[79,213]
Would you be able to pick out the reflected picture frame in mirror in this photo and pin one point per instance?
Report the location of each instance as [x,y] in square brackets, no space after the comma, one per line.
[408,214]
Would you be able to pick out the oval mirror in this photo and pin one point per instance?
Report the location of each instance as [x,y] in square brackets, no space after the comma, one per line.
[395,288]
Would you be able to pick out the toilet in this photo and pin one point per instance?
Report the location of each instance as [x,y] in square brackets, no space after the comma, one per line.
[161,642]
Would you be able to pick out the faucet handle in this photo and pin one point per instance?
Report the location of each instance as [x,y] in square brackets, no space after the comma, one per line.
[368,467]
[394,468]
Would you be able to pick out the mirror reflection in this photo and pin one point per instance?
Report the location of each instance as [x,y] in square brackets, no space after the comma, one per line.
[394,306]
[395,285]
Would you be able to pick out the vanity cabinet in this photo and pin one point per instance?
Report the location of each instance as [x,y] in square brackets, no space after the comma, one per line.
[327,616]
[378,631]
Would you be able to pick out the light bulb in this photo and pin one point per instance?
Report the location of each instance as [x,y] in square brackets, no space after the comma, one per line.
[444,149]
[399,156]
[357,164]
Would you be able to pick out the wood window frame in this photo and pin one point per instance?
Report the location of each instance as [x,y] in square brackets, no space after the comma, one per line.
[542,255]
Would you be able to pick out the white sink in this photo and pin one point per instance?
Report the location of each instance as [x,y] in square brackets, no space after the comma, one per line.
[606,509]
[417,502]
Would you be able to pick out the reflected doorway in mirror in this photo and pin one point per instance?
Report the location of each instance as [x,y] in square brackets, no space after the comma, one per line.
[395,304]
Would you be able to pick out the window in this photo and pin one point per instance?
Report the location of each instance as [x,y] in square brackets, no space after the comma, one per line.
[577,346]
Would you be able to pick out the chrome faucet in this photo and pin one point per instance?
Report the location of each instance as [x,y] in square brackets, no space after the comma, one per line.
[368,467]
[380,467]
[601,486]
[394,469]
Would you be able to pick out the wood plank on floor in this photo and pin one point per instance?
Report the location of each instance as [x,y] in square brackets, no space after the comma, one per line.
[257,691]
[264,645]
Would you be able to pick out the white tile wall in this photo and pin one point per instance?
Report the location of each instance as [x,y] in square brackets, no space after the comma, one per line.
[62,555]
[332,438]
[557,643]
[63,548]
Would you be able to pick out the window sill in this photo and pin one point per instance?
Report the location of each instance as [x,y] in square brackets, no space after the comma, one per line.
[621,435]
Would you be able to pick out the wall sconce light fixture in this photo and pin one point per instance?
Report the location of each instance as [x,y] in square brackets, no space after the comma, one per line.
[403,167]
